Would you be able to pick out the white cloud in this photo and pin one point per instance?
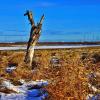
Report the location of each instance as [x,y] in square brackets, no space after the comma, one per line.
[45,4]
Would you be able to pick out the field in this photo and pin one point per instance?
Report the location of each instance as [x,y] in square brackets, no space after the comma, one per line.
[68,77]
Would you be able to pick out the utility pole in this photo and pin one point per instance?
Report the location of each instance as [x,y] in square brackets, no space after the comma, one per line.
[34,36]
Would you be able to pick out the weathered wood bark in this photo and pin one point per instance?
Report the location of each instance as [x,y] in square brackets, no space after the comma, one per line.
[34,36]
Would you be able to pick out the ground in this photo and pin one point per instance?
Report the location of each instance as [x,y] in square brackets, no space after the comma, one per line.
[68,77]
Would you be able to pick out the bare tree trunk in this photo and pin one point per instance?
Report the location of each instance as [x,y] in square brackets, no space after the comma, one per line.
[34,36]
[30,54]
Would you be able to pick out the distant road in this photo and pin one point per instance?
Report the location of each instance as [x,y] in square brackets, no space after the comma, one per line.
[47,47]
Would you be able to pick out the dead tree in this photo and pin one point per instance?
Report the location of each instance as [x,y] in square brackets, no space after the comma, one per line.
[34,36]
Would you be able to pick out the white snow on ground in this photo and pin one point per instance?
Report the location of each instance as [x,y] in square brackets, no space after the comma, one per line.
[23,92]
[12,96]
[47,47]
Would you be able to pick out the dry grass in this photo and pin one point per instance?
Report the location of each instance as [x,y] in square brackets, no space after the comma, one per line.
[68,80]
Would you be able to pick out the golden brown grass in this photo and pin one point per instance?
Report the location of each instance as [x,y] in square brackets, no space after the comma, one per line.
[68,81]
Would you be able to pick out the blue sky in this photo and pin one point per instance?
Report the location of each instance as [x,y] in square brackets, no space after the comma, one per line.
[62,17]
